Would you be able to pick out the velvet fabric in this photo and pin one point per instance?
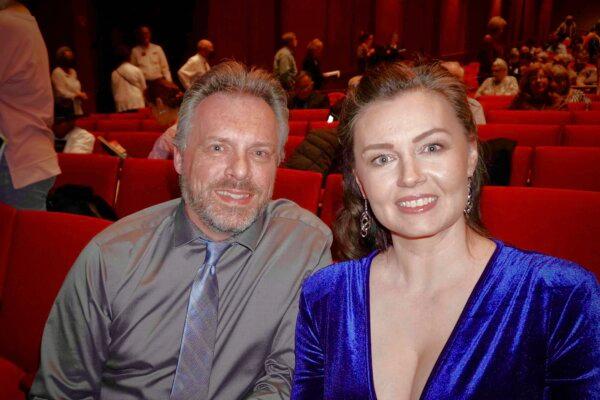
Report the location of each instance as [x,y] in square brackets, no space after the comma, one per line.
[529,330]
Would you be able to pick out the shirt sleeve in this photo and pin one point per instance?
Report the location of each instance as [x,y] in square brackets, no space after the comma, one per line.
[164,65]
[60,85]
[574,341]
[76,336]
[185,74]
[279,366]
[82,142]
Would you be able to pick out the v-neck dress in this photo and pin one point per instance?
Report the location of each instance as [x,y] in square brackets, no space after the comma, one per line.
[529,330]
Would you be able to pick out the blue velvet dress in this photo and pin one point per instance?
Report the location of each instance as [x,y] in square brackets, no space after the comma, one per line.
[529,330]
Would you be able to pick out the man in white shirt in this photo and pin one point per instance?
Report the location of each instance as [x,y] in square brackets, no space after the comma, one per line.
[74,139]
[150,57]
[128,83]
[197,65]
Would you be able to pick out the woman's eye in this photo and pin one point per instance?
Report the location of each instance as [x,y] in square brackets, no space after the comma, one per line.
[431,148]
[382,159]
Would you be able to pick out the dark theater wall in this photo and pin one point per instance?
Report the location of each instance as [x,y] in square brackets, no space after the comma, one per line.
[249,30]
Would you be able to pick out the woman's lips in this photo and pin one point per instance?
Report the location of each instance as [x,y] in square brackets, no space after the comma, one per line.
[417,204]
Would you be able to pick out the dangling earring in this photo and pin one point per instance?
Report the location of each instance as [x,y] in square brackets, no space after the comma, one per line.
[469,205]
[365,221]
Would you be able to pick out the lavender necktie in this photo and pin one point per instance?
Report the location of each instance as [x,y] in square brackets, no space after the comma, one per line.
[199,334]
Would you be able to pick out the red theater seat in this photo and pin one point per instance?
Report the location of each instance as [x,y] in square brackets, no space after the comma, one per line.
[562,223]
[94,170]
[145,183]
[89,124]
[576,106]
[490,103]
[528,117]
[11,377]
[108,125]
[333,198]
[334,97]
[523,134]
[302,187]
[521,165]
[566,168]
[126,115]
[152,125]
[43,248]
[137,144]
[586,117]
[582,135]
[291,144]
[322,125]
[316,114]
[298,128]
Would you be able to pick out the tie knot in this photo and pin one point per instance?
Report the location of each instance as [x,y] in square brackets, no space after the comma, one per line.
[214,251]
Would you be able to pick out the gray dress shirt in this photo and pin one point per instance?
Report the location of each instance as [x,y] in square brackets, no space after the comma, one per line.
[115,329]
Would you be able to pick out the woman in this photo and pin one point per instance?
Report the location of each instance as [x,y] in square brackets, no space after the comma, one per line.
[430,307]
[561,85]
[535,92]
[64,79]
[500,84]
[312,62]
[128,83]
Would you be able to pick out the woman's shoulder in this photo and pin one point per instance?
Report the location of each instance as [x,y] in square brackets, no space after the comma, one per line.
[337,277]
[551,272]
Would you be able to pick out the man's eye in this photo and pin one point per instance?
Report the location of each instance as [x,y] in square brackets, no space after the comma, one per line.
[216,147]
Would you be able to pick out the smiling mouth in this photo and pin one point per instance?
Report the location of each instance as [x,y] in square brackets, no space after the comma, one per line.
[417,204]
[234,196]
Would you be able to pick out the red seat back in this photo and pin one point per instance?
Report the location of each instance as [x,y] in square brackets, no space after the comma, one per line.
[291,144]
[316,114]
[145,183]
[322,125]
[97,171]
[137,144]
[302,187]
[298,128]
[43,249]
[334,97]
[521,165]
[8,215]
[567,168]
[523,134]
[106,125]
[333,198]
[89,124]
[126,115]
[586,117]
[152,125]
[582,135]
[528,117]
[490,103]
[562,223]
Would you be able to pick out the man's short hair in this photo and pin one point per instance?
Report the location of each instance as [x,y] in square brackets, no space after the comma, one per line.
[234,78]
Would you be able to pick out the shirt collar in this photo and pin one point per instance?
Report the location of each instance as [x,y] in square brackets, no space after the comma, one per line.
[186,231]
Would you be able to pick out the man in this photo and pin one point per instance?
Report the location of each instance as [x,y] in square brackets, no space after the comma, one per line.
[284,64]
[566,29]
[137,315]
[28,164]
[304,95]
[150,57]
[500,84]
[197,65]
[476,108]
[70,138]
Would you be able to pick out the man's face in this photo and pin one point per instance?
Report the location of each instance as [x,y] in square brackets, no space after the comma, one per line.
[227,170]
[499,73]
[145,35]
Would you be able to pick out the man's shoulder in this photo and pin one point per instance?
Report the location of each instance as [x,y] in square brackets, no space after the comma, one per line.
[288,212]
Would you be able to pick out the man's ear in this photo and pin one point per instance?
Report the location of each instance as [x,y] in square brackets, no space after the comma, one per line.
[178,160]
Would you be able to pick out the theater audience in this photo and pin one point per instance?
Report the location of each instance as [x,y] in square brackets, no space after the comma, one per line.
[151,59]
[565,61]
[68,137]
[365,51]
[476,108]
[304,95]
[128,83]
[197,65]
[163,147]
[591,43]
[312,62]
[566,29]
[284,64]
[561,85]
[64,79]
[491,48]
[28,165]
[500,84]
[514,63]
[525,57]
[535,92]
[587,74]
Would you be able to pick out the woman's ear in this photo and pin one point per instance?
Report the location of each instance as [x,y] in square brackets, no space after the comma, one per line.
[360,187]
[472,156]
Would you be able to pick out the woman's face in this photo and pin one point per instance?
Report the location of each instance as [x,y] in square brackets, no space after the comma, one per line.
[412,162]
[539,82]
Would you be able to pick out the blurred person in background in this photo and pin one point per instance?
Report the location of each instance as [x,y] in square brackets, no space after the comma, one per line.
[500,84]
[491,47]
[535,92]
[128,83]
[197,65]
[64,79]
[312,62]
[284,63]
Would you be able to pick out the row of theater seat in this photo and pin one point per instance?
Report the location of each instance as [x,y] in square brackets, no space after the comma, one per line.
[38,248]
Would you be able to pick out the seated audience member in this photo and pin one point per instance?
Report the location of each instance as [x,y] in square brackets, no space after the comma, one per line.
[284,63]
[312,62]
[304,95]
[318,152]
[142,316]
[491,47]
[525,57]
[128,83]
[197,65]
[393,52]
[587,74]
[561,85]
[426,304]
[65,83]
[535,92]
[163,147]
[500,84]
[565,60]
[71,138]
[365,51]
[514,63]
[476,108]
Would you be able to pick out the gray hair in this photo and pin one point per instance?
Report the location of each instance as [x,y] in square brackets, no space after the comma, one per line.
[498,62]
[233,77]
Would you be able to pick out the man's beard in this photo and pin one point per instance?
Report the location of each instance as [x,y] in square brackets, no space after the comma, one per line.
[220,217]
